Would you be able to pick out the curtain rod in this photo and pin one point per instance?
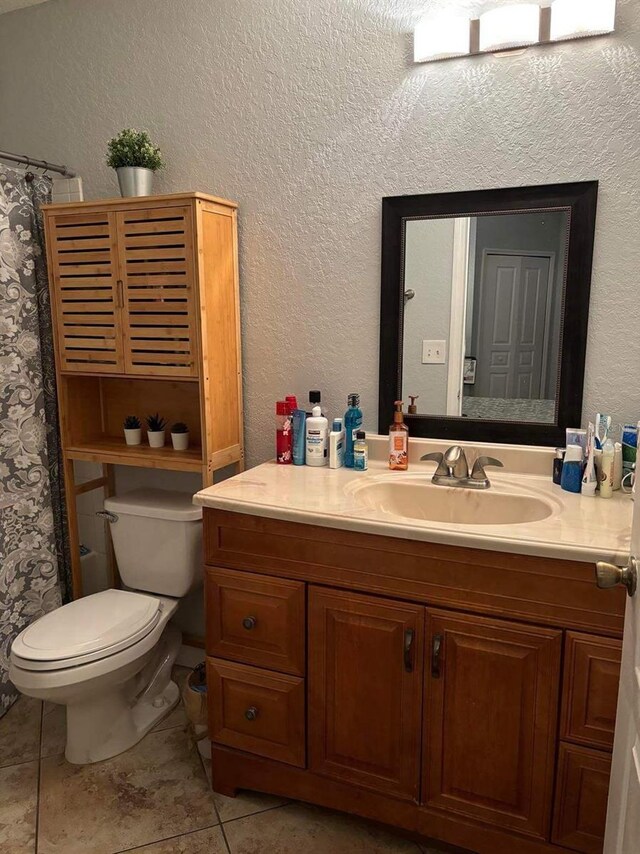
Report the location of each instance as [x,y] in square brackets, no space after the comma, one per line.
[38,164]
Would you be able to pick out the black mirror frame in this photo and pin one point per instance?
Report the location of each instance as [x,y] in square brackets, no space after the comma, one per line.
[580,200]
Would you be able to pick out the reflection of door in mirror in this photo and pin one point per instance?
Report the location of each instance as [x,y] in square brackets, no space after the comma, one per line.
[490,289]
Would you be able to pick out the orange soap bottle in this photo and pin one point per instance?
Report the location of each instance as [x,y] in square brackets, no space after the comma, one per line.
[398,441]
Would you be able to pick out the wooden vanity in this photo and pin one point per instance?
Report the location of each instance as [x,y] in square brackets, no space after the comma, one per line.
[460,694]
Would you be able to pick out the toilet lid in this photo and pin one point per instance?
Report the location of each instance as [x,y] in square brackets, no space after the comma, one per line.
[86,630]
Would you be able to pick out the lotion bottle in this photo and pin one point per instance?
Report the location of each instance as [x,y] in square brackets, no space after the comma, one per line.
[398,441]
[317,438]
[336,444]
[608,462]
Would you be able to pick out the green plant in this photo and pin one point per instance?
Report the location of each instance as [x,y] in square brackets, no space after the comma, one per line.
[155,424]
[132,422]
[179,427]
[133,148]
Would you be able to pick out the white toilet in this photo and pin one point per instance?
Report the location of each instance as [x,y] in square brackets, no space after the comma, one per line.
[108,657]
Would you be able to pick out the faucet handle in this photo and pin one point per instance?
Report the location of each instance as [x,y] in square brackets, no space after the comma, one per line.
[478,472]
[436,456]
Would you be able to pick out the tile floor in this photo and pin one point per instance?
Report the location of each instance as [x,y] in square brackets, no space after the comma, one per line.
[153,799]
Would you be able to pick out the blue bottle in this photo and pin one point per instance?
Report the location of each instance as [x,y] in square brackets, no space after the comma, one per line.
[571,480]
[352,423]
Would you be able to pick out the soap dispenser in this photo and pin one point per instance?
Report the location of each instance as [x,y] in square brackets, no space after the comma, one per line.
[398,441]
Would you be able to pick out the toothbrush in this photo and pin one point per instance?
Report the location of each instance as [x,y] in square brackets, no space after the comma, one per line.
[603,425]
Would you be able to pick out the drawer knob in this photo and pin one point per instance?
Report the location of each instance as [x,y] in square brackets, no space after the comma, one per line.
[249,623]
[251,714]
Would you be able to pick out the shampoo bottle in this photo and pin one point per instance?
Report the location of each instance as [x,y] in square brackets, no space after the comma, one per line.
[317,438]
[352,423]
[398,441]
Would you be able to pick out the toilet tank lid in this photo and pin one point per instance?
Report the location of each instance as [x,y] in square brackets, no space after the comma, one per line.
[155,504]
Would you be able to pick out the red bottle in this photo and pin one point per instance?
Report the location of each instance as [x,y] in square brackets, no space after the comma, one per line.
[284,433]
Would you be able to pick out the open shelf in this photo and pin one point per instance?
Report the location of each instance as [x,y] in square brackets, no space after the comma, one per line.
[105,449]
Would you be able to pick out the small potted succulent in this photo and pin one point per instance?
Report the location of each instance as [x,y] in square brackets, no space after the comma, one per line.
[132,430]
[180,436]
[155,430]
[135,159]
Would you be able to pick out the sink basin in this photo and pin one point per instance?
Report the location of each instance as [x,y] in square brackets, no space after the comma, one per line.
[420,499]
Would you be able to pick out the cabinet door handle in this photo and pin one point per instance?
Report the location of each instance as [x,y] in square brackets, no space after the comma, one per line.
[249,623]
[436,648]
[408,645]
[251,713]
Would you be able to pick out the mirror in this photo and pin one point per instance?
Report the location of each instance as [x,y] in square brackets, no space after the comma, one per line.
[485,305]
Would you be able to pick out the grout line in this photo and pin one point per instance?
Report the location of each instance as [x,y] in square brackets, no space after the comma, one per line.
[215,806]
[259,812]
[37,827]
[166,839]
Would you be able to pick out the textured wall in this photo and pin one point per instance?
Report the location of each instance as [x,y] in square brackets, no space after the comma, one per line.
[308,112]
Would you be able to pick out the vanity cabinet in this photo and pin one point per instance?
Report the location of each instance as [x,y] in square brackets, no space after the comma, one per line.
[461,695]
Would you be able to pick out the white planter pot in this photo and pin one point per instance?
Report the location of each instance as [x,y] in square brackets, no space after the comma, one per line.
[180,441]
[135,181]
[134,436]
[156,438]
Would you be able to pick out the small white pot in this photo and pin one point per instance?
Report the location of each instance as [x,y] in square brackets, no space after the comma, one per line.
[180,441]
[133,436]
[156,438]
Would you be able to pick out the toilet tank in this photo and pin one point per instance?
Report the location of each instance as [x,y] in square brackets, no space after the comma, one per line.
[157,540]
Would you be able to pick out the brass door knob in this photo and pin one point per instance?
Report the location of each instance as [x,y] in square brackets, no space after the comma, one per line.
[251,714]
[609,575]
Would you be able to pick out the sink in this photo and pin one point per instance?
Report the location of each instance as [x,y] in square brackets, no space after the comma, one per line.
[422,500]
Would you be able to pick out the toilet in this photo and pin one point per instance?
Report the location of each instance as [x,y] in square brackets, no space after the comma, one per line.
[108,657]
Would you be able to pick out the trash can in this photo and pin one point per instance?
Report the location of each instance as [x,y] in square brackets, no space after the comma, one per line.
[194,697]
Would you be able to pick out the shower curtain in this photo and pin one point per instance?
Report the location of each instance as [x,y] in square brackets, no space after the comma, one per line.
[34,545]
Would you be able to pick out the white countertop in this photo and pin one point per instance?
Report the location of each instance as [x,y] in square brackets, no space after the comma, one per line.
[583,529]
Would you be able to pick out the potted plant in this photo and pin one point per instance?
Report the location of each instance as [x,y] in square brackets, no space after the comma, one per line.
[180,436]
[155,430]
[132,430]
[135,158]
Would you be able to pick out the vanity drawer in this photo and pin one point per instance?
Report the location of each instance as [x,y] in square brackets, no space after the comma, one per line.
[581,799]
[256,620]
[590,695]
[257,711]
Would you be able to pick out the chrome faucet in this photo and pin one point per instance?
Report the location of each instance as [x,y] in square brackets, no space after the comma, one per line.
[453,469]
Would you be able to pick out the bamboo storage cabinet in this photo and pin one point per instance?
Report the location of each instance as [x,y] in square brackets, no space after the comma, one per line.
[145,306]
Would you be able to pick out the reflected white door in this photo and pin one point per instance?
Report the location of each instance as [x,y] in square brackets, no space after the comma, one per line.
[623,816]
[512,325]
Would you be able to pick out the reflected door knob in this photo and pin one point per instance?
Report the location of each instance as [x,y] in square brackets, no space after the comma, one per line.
[609,575]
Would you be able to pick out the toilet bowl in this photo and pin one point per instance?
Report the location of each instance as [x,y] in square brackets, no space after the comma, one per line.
[108,657]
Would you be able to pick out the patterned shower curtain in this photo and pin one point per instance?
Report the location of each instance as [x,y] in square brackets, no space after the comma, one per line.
[34,545]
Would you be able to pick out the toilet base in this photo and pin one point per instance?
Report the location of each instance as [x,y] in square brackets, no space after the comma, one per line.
[110,722]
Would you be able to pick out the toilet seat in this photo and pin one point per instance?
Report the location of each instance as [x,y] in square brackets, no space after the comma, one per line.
[86,630]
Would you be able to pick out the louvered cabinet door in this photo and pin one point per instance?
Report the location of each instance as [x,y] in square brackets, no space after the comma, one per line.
[85,292]
[155,248]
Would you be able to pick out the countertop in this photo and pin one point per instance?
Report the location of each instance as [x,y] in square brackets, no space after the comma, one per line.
[582,529]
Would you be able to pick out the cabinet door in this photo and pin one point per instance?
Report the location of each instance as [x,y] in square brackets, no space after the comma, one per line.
[581,798]
[156,255]
[491,712]
[365,690]
[85,294]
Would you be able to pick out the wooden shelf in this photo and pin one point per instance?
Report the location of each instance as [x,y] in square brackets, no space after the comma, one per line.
[114,451]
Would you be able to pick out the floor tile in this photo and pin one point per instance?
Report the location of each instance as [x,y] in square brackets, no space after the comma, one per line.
[246,803]
[155,790]
[18,800]
[54,729]
[210,841]
[20,732]
[296,828]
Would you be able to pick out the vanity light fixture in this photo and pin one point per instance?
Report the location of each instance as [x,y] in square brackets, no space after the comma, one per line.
[443,38]
[574,19]
[508,27]
[512,27]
